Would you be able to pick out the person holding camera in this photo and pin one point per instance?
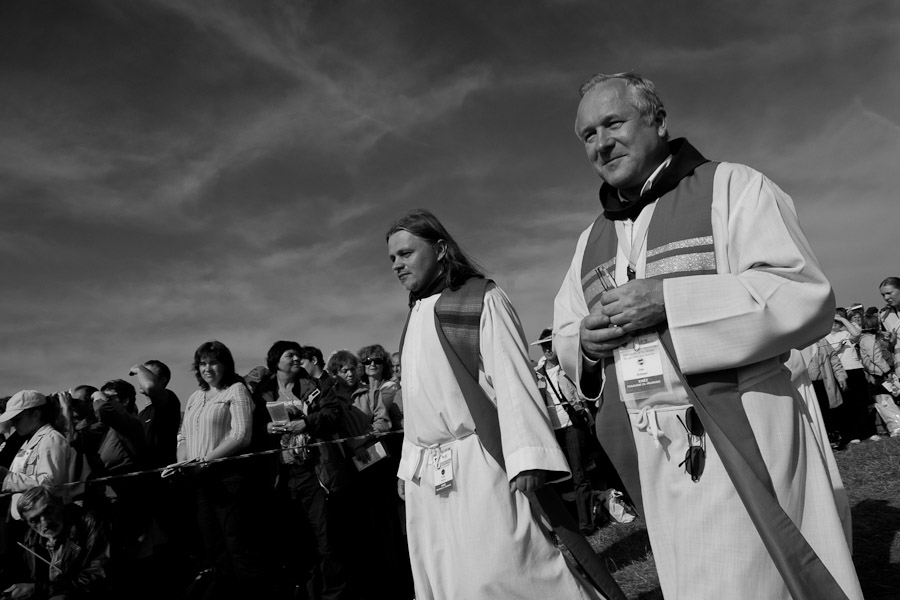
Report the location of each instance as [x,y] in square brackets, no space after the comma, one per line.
[572,425]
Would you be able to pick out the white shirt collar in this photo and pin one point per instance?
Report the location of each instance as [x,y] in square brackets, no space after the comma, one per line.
[653,176]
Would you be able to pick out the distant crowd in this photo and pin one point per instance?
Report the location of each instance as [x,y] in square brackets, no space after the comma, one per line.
[855,371]
[282,483]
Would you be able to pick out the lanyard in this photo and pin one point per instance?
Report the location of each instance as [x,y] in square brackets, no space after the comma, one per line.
[638,238]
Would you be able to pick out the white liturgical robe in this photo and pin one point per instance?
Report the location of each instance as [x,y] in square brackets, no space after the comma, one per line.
[477,540]
[768,295]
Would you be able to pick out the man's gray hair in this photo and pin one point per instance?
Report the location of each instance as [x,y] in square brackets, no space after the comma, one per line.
[643,92]
[35,496]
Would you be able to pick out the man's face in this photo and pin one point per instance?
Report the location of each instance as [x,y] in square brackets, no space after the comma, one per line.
[395,366]
[891,295]
[81,403]
[623,147]
[308,365]
[112,395]
[46,519]
[415,261]
[547,349]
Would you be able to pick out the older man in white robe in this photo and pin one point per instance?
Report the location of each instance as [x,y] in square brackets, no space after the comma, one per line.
[678,305]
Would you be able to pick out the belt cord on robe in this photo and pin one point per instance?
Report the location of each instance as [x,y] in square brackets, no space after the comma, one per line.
[457,303]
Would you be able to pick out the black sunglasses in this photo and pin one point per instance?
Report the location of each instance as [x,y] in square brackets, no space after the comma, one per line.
[695,457]
[374,361]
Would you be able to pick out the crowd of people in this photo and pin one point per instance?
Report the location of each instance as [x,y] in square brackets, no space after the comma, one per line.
[281,482]
[855,370]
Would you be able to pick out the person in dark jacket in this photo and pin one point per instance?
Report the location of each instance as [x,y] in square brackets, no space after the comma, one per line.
[67,550]
[313,476]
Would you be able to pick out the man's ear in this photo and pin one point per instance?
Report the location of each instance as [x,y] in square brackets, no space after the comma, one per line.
[441,249]
[662,125]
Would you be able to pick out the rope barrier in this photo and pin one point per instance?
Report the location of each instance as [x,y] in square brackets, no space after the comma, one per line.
[195,463]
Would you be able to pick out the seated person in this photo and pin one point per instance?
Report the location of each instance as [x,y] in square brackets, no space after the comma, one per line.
[67,550]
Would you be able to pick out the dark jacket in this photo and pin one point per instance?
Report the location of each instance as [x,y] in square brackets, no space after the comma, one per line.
[324,418]
[123,448]
[161,419]
[79,560]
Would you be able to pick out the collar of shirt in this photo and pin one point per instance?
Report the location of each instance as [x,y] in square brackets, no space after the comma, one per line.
[651,179]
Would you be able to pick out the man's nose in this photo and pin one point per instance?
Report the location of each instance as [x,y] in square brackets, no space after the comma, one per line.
[603,141]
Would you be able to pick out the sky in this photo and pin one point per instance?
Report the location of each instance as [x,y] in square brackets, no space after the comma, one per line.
[173,172]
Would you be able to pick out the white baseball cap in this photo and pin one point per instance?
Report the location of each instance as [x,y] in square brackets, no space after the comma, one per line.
[22,401]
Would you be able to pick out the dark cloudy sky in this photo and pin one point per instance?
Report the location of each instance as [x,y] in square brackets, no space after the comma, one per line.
[173,172]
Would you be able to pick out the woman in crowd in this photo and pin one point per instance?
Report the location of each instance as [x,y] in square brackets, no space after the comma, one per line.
[829,380]
[858,422]
[217,424]
[343,366]
[375,395]
[876,361]
[890,317]
[312,477]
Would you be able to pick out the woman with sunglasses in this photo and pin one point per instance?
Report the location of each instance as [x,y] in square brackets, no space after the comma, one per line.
[376,394]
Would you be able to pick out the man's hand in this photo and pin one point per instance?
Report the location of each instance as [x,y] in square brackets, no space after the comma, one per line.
[528,481]
[639,304]
[401,489]
[65,401]
[20,590]
[599,338]
[842,383]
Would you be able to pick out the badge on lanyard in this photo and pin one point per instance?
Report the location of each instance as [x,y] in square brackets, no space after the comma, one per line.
[639,367]
[443,471]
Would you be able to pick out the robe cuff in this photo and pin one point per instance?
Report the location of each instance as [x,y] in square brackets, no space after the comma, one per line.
[543,458]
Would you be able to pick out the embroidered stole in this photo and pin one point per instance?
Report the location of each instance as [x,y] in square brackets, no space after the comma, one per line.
[680,243]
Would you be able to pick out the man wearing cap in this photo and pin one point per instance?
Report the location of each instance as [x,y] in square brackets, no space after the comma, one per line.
[572,424]
[678,304]
[45,458]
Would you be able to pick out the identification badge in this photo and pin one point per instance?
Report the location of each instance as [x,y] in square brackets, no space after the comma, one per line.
[443,472]
[639,367]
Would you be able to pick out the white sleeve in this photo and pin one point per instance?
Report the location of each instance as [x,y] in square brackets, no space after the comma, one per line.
[769,294]
[527,436]
[569,309]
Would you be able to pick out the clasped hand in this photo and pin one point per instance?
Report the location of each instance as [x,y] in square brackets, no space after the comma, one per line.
[637,305]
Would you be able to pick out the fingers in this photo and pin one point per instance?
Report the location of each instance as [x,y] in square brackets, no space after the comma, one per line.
[598,338]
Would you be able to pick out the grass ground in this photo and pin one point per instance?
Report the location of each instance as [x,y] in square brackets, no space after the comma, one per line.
[871,474]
